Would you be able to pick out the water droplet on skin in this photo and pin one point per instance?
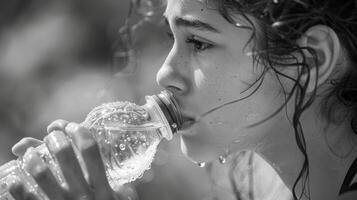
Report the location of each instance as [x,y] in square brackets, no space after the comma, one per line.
[222,159]
[122,147]
[250,53]
[143,138]
[201,164]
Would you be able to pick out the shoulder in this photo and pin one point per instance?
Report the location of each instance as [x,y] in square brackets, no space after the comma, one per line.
[249,175]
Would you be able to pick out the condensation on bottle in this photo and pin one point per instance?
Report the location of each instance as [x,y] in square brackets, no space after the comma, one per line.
[127,135]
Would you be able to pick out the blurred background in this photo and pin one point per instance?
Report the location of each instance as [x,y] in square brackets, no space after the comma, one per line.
[60,58]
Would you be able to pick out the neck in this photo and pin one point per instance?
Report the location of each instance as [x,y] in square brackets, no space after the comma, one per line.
[331,150]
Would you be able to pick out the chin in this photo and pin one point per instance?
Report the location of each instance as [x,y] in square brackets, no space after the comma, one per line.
[197,152]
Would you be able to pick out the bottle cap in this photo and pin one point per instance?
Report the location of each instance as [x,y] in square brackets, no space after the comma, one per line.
[170,109]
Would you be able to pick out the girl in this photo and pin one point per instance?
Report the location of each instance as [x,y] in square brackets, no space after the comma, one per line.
[273,76]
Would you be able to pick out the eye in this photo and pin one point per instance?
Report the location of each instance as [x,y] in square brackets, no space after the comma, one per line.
[198,45]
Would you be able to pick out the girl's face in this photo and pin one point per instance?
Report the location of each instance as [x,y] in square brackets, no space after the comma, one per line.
[208,66]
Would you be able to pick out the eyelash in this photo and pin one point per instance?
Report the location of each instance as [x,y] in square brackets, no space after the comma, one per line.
[198,46]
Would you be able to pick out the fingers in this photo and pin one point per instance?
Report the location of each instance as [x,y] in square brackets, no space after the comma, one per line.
[127,191]
[41,173]
[57,125]
[62,150]
[18,191]
[89,150]
[20,148]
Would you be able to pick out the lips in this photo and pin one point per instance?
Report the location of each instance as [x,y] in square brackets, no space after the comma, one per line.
[187,122]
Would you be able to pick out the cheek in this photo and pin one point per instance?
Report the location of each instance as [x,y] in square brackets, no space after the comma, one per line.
[222,129]
[199,78]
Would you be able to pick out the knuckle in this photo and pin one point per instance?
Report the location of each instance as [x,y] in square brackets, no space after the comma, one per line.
[78,131]
[58,143]
[72,127]
[35,166]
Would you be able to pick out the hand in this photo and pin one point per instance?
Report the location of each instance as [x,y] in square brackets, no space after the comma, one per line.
[94,186]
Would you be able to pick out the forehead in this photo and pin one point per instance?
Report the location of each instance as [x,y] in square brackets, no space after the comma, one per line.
[197,9]
[184,5]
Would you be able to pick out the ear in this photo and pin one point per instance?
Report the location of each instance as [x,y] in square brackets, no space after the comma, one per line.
[326,45]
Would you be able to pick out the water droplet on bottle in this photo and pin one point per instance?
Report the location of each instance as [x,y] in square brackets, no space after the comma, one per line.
[222,159]
[100,131]
[201,164]
[174,125]
[122,147]
[143,138]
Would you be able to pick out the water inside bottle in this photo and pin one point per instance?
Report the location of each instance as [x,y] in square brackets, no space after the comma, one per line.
[127,137]
[127,154]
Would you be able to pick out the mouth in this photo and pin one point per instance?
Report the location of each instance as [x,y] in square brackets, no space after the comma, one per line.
[187,122]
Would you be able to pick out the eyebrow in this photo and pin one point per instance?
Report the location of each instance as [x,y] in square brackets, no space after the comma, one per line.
[197,24]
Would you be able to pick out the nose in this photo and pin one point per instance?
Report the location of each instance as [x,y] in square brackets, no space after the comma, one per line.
[174,73]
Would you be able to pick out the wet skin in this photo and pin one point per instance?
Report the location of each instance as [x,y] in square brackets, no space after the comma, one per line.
[208,66]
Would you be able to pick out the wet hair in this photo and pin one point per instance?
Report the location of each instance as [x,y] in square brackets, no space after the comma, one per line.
[276,25]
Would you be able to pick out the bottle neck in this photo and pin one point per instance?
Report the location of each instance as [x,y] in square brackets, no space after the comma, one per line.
[170,110]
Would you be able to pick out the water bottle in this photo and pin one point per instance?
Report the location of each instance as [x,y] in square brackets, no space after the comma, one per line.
[127,136]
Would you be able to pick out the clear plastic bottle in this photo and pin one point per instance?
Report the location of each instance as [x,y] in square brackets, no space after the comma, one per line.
[127,136]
